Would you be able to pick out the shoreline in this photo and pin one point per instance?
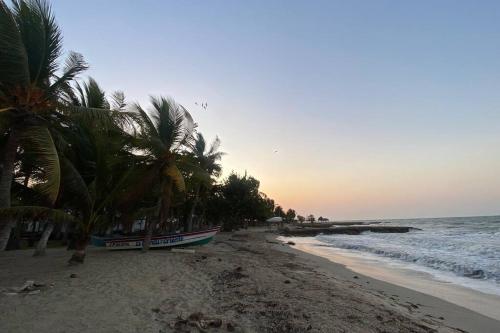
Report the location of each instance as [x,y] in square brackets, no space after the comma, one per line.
[244,281]
[454,315]
[482,302]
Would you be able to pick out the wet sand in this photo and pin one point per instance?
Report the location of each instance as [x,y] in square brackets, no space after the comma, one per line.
[242,282]
[484,303]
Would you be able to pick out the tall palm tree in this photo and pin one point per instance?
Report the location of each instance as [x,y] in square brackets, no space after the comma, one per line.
[165,130]
[89,95]
[31,81]
[206,166]
[96,158]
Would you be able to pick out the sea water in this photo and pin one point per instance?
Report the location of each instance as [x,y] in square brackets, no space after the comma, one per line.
[459,250]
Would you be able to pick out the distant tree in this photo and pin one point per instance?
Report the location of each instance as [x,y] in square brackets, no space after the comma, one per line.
[310,218]
[238,200]
[290,215]
[278,211]
[323,219]
[301,218]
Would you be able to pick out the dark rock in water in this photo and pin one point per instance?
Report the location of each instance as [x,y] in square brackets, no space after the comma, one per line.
[287,281]
[356,277]
[290,243]
[73,275]
[203,257]
[347,230]
[230,327]
[155,310]
[238,269]
[475,274]
[219,259]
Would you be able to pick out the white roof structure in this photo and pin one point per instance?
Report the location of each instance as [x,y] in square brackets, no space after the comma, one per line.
[275,219]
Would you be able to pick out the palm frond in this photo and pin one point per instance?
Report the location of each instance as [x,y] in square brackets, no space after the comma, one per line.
[36,213]
[41,36]
[175,175]
[118,101]
[74,65]
[37,143]
[13,58]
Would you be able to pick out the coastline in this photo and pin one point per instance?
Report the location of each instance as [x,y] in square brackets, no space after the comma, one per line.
[419,280]
[247,281]
[435,305]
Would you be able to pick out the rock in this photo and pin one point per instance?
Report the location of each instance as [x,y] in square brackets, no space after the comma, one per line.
[238,269]
[10,294]
[73,275]
[219,259]
[155,310]
[203,257]
[356,277]
[230,327]
[287,281]
[212,323]
[290,243]
[27,286]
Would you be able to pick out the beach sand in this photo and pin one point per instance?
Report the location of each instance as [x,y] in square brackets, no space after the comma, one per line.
[242,282]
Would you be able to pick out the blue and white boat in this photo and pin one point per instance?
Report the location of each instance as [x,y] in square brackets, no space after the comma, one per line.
[136,242]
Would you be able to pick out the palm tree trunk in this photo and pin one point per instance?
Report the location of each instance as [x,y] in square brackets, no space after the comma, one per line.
[162,213]
[189,222]
[80,250]
[7,161]
[149,234]
[42,243]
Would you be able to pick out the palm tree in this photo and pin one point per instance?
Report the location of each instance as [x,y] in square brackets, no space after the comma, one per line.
[165,129]
[91,96]
[206,165]
[31,81]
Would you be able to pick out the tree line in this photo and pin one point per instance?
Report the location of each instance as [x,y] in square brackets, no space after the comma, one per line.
[73,155]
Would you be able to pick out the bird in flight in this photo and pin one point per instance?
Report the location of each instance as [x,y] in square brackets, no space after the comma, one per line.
[203,105]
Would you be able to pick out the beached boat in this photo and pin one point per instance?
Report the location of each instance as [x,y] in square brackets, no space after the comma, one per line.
[135,242]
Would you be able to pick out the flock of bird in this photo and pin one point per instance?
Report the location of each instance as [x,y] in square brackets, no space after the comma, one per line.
[203,105]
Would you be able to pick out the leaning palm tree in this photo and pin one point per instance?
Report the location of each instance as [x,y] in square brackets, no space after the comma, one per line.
[89,95]
[165,129]
[206,166]
[31,81]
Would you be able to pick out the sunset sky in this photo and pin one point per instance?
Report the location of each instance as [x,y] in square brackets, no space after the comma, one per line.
[378,109]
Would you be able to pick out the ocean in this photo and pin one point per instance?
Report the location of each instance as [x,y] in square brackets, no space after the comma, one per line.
[459,250]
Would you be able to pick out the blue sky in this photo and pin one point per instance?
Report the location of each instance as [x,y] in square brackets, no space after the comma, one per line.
[377,108]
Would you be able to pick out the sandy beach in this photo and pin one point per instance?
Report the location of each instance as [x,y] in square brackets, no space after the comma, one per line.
[243,282]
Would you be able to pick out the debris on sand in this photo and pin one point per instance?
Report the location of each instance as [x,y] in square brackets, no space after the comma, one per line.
[196,319]
[30,287]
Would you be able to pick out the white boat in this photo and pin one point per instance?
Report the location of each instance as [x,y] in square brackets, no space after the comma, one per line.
[136,242]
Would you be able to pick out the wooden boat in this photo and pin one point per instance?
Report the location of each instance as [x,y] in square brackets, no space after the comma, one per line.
[135,242]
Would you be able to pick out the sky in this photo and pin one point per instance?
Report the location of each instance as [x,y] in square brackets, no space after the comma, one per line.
[377,109]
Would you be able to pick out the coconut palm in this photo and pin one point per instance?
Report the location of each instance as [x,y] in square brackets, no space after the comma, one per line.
[31,80]
[91,96]
[165,129]
[206,166]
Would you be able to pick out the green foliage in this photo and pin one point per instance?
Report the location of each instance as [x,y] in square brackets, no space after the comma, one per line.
[238,201]
[290,215]
[72,154]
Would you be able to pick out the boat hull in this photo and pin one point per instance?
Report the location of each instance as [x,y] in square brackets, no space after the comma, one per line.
[183,239]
